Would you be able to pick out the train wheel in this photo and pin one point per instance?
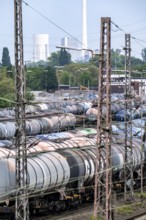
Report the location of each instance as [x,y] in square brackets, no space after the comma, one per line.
[63,206]
[31,211]
[37,211]
[57,207]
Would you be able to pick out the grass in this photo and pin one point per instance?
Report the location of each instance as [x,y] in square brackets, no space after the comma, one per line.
[138,194]
[129,209]
[92,218]
[126,209]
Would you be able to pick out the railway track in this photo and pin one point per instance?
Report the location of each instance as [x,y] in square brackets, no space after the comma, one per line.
[137,216]
[85,213]
[68,214]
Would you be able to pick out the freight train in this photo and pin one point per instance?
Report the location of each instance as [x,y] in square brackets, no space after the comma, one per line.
[63,177]
[61,167]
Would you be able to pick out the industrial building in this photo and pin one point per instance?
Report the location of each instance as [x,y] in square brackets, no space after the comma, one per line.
[72,43]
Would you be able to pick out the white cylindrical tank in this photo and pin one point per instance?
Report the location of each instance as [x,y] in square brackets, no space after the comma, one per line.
[91,114]
[45,172]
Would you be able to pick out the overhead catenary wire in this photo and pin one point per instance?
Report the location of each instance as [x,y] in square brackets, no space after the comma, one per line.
[137,40]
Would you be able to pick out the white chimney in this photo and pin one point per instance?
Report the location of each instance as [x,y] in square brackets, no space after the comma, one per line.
[84,30]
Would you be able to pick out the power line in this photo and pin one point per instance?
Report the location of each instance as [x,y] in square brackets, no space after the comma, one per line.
[136,22]
[52,22]
[132,37]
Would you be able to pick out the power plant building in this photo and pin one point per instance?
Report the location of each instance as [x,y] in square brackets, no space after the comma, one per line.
[41,47]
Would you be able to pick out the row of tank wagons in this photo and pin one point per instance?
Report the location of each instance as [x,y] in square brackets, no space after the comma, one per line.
[50,141]
[118,112]
[65,170]
[74,107]
[67,134]
[40,146]
[74,138]
[39,125]
[114,97]
[49,124]
[136,128]
[134,114]
[64,107]
[92,113]
[53,137]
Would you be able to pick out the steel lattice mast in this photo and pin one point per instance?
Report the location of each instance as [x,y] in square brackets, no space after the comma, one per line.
[143,140]
[21,204]
[103,186]
[128,168]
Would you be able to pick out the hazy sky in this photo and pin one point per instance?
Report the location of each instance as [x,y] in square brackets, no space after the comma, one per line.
[130,15]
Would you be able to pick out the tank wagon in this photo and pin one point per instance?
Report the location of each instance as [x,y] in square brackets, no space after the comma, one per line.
[92,113]
[63,176]
[39,125]
[135,114]
[74,107]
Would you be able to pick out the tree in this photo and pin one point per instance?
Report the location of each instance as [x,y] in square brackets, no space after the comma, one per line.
[64,57]
[34,78]
[64,78]
[49,80]
[59,58]
[5,57]
[41,63]
[29,96]
[80,74]
[95,60]
[144,54]
[54,59]
[6,90]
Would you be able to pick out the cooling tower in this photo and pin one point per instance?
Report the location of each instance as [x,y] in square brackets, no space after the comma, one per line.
[41,47]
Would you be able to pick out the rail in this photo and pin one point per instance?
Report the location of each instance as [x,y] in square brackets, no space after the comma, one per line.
[135,217]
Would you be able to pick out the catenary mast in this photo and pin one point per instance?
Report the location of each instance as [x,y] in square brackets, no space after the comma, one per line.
[103,172]
[21,204]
